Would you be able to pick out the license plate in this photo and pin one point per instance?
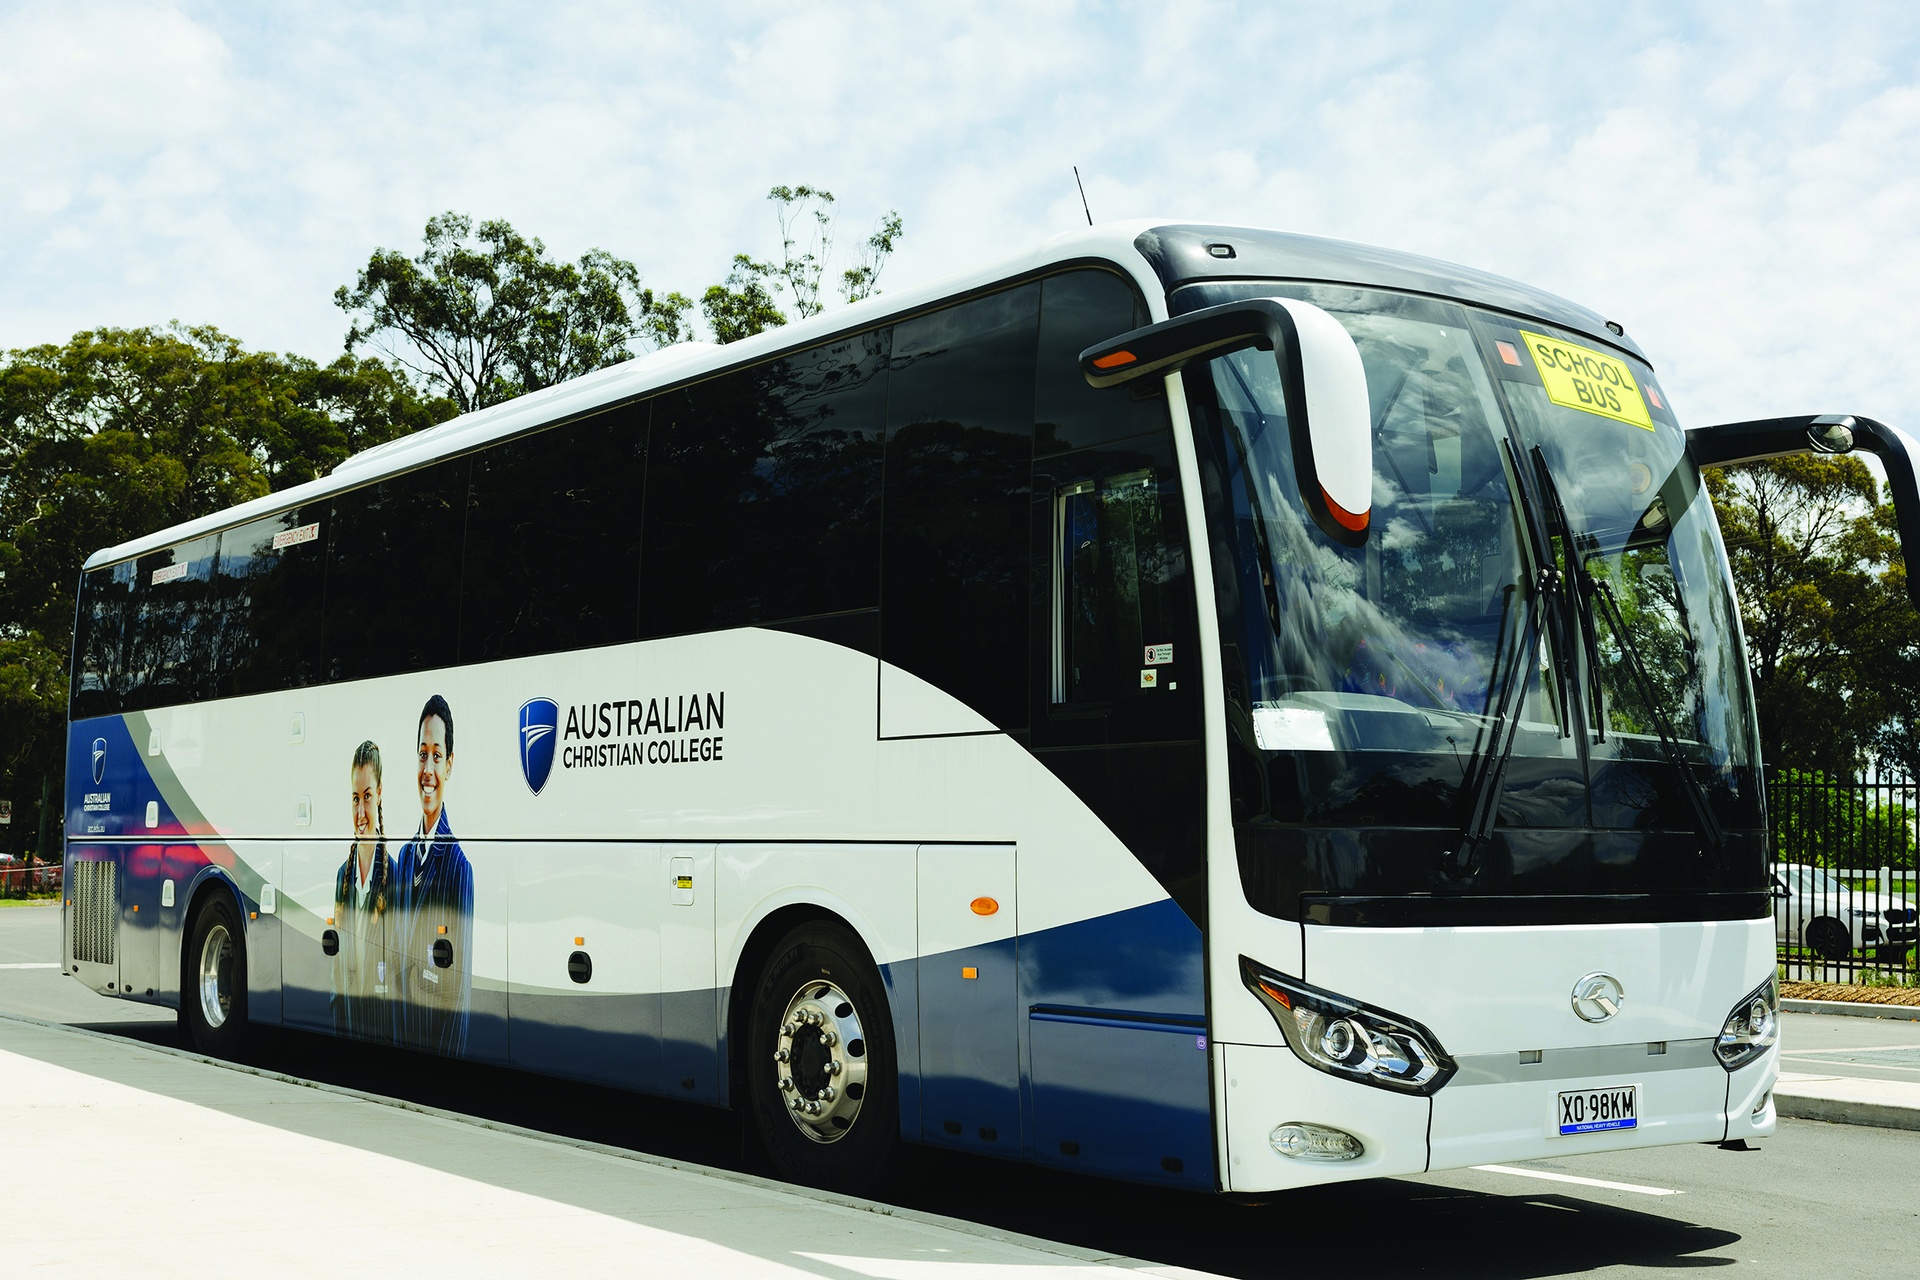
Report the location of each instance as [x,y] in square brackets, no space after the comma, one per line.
[1594,1110]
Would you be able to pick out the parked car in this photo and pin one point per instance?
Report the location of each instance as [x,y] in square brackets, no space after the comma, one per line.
[1811,906]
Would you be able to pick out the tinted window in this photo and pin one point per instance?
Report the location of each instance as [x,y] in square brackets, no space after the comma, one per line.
[393,574]
[172,657]
[553,540]
[763,492]
[104,640]
[1077,310]
[959,460]
[271,578]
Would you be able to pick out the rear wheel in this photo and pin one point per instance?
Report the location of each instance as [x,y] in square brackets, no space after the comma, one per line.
[213,990]
[822,1088]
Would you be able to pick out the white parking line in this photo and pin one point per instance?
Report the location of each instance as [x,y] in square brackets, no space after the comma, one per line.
[1544,1176]
[36,965]
[1878,1048]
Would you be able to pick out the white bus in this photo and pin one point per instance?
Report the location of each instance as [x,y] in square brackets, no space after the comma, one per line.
[1203,706]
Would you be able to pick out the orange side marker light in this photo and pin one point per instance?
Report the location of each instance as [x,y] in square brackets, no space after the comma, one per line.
[984,906]
[969,973]
[1114,359]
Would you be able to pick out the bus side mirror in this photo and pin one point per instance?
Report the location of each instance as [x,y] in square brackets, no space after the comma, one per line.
[1328,410]
[1735,442]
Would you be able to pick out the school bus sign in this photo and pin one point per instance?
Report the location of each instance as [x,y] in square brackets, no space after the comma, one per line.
[1579,377]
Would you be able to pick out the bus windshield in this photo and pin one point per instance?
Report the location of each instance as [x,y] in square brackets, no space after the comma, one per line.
[1364,683]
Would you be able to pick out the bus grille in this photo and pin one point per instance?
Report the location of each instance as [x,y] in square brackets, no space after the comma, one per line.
[96,911]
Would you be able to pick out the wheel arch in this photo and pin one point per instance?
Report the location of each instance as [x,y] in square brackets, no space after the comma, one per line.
[207,883]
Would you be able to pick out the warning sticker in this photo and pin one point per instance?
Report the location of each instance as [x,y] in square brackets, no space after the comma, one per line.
[1158,655]
[1581,378]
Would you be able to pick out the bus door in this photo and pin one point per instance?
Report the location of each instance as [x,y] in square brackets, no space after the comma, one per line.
[969,1010]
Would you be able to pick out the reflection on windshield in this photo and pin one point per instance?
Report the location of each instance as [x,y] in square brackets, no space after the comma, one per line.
[1390,645]
[1363,681]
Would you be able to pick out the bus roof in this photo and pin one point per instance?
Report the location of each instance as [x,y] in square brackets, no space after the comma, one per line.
[1159,255]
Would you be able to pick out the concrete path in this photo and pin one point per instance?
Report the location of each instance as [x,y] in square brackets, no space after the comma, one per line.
[136,1159]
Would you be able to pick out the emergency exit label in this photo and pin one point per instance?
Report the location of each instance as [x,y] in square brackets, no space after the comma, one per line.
[1578,377]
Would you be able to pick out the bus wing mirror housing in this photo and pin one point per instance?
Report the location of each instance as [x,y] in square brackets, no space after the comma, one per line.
[1830,433]
[1328,409]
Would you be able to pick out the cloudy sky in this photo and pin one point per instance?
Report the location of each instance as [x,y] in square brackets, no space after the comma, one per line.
[1738,184]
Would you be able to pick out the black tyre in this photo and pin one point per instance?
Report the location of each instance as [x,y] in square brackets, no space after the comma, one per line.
[1829,939]
[823,1090]
[213,980]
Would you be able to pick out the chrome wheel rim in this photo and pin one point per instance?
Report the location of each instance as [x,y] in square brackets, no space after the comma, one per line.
[820,1061]
[216,977]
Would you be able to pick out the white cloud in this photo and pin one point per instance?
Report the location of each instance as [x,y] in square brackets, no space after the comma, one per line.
[1739,187]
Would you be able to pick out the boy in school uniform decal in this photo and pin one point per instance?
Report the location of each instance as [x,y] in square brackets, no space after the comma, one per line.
[434,892]
[362,895]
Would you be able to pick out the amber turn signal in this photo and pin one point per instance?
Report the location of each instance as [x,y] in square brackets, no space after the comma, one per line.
[984,906]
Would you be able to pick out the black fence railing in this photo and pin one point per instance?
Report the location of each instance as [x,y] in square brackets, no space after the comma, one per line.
[1844,877]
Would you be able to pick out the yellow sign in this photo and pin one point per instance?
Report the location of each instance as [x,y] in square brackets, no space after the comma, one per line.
[1581,378]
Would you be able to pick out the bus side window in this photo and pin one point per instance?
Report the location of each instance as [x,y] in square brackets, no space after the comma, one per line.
[271,578]
[173,659]
[393,575]
[763,492]
[1077,310]
[552,556]
[959,470]
[108,617]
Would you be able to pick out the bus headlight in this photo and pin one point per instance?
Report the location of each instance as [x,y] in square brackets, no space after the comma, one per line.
[1345,1038]
[1752,1028]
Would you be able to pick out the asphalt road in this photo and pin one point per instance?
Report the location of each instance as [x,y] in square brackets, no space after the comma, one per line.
[1818,1199]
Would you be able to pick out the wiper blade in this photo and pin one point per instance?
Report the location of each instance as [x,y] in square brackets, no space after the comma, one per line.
[1703,816]
[1483,806]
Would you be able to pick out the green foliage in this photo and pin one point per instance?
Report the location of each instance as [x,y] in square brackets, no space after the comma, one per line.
[744,305]
[1831,636]
[1830,822]
[483,315]
[749,301]
[122,431]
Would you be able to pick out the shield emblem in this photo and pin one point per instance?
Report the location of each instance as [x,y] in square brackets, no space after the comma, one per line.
[539,728]
[99,760]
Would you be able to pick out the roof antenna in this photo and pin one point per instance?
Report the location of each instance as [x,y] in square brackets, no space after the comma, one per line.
[1083,194]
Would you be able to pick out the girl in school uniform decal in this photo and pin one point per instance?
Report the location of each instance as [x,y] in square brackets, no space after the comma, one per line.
[362,894]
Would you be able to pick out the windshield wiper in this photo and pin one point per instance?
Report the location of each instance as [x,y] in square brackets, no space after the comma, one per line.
[1483,806]
[1593,588]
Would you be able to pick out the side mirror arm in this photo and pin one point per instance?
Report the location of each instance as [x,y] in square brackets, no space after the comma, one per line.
[1829,433]
[1328,412]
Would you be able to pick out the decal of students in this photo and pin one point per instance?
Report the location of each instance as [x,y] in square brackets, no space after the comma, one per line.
[434,893]
[362,894]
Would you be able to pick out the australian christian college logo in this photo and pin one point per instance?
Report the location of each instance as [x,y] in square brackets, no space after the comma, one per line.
[681,729]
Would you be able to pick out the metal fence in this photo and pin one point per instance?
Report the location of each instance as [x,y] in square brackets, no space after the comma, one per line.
[1844,877]
[18,879]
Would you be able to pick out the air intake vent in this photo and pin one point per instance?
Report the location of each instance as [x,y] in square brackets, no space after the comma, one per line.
[96,911]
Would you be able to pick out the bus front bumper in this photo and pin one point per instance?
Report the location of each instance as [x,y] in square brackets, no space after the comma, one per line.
[1491,1112]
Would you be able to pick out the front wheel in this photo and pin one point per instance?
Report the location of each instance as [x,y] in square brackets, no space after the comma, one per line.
[213,990]
[1829,939]
[822,1086]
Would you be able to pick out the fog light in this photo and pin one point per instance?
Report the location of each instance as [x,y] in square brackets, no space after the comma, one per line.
[1760,1107]
[1300,1141]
